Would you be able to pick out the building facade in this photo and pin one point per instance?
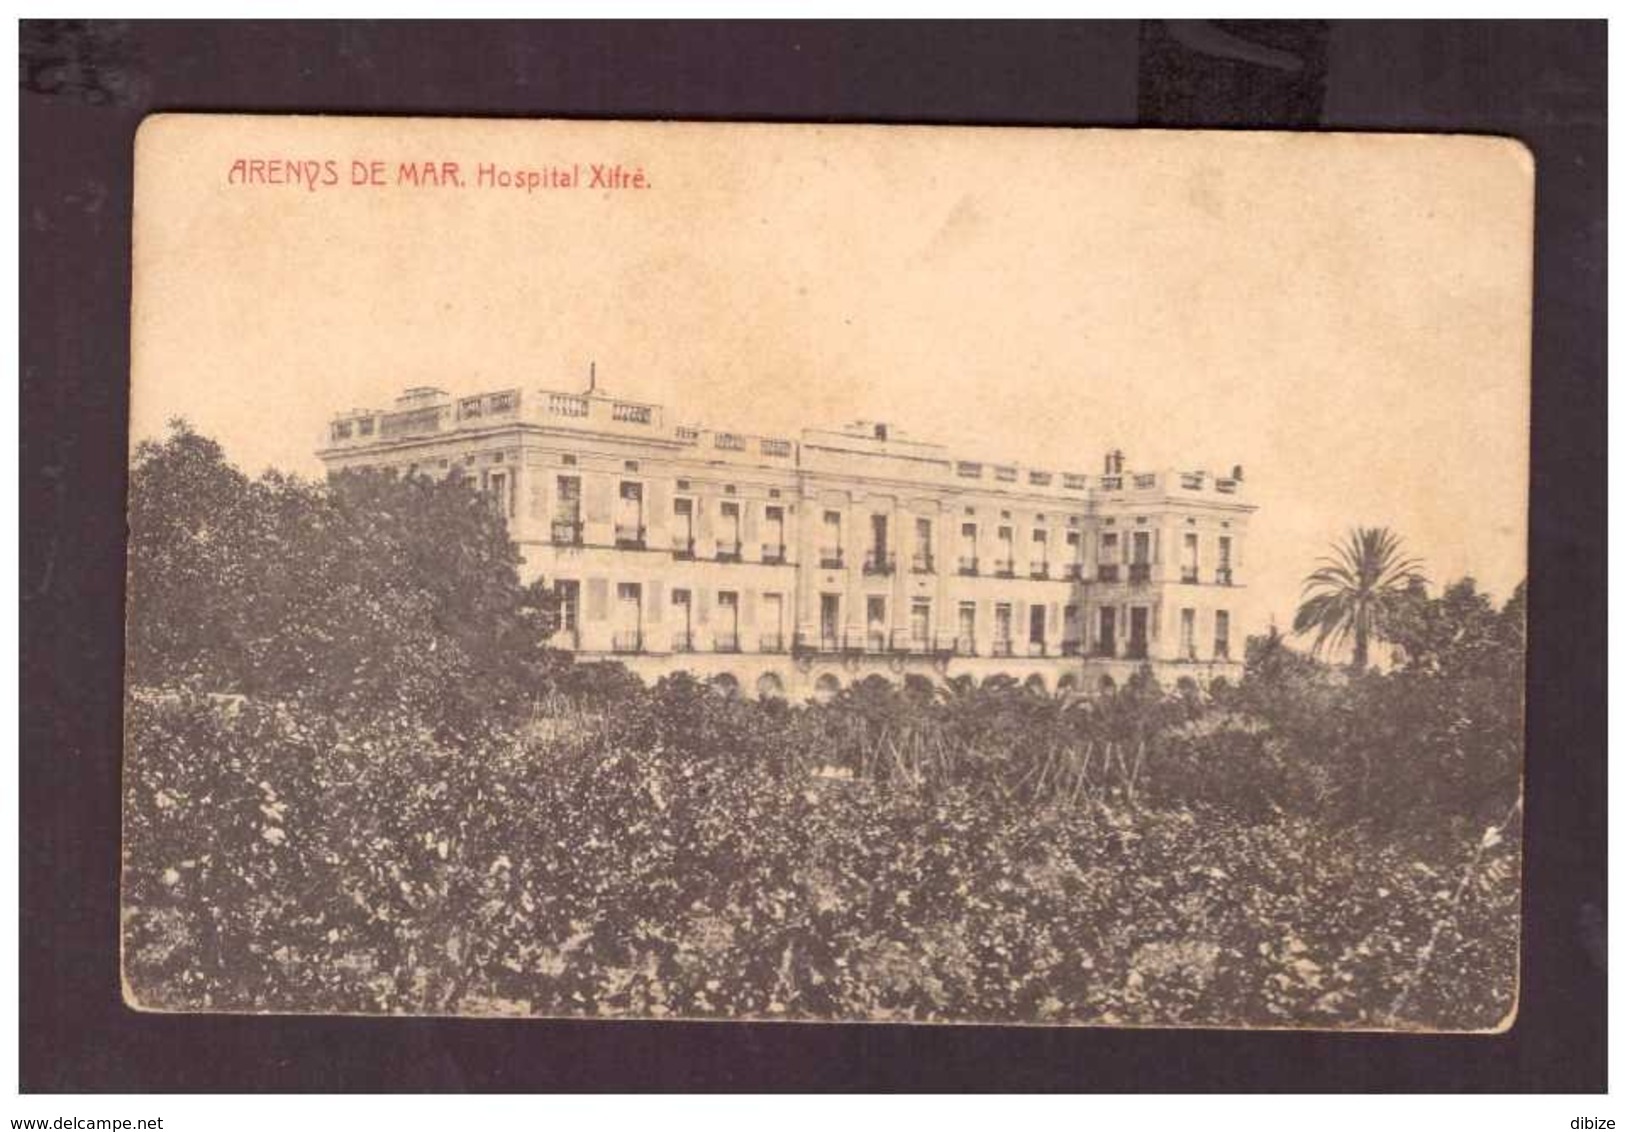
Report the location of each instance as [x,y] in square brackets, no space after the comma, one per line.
[795,567]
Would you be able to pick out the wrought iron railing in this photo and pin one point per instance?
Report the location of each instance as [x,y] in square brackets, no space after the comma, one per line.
[879,562]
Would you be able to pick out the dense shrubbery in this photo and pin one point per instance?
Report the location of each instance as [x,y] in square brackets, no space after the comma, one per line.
[367,594]
[678,851]
[409,807]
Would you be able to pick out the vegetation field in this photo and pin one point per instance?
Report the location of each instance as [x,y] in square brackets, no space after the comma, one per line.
[355,783]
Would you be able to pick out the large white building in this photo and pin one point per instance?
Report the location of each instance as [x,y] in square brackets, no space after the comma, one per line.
[796,566]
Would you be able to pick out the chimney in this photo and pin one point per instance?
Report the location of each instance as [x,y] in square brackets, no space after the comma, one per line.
[1114,462]
[880,432]
[1235,473]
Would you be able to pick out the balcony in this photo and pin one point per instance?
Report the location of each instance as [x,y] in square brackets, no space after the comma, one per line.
[1221,650]
[1139,572]
[1040,571]
[874,640]
[1003,648]
[682,548]
[729,551]
[880,562]
[827,641]
[1105,650]
[629,537]
[1071,648]
[831,558]
[773,553]
[1037,648]
[1107,572]
[965,646]
[682,640]
[1073,572]
[968,567]
[770,642]
[566,532]
[627,641]
[1004,568]
[1223,577]
[1188,575]
[722,641]
[923,564]
[1136,650]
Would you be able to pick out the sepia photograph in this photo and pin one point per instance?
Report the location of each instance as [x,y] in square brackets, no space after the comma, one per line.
[826,573]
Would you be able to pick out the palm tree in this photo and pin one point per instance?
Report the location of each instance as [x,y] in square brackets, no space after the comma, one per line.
[1356,591]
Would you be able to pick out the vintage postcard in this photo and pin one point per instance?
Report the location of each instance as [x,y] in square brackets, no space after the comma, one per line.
[826,573]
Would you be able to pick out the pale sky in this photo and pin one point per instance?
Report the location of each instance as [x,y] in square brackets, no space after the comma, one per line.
[1347,316]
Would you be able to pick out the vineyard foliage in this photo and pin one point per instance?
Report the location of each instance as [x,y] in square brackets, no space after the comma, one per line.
[410,807]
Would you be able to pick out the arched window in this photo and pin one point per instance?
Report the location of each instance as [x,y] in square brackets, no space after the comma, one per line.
[826,687]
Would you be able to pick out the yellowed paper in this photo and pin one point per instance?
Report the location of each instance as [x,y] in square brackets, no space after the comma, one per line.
[923,525]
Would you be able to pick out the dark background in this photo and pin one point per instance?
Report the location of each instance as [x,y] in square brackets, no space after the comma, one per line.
[85,88]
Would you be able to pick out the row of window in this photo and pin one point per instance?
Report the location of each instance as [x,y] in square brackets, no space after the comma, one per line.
[879,558]
[878,634]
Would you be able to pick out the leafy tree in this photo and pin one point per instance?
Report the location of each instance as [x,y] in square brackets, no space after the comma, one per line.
[368,593]
[1460,633]
[1356,591]
[189,519]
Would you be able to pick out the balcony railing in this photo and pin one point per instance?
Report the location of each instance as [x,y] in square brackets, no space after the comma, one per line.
[1221,650]
[1136,650]
[682,548]
[729,551]
[874,640]
[818,642]
[968,566]
[1223,577]
[627,640]
[1104,650]
[1004,568]
[1003,648]
[629,537]
[770,642]
[831,558]
[566,532]
[1139,571]
[682,640]
[1037,648]
[1071,648]
[923,564]
[773,553]
[567,405]
[965,646]
[1188,575]
[879,562]
[1074,572]
[725,642]
[1040,570]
